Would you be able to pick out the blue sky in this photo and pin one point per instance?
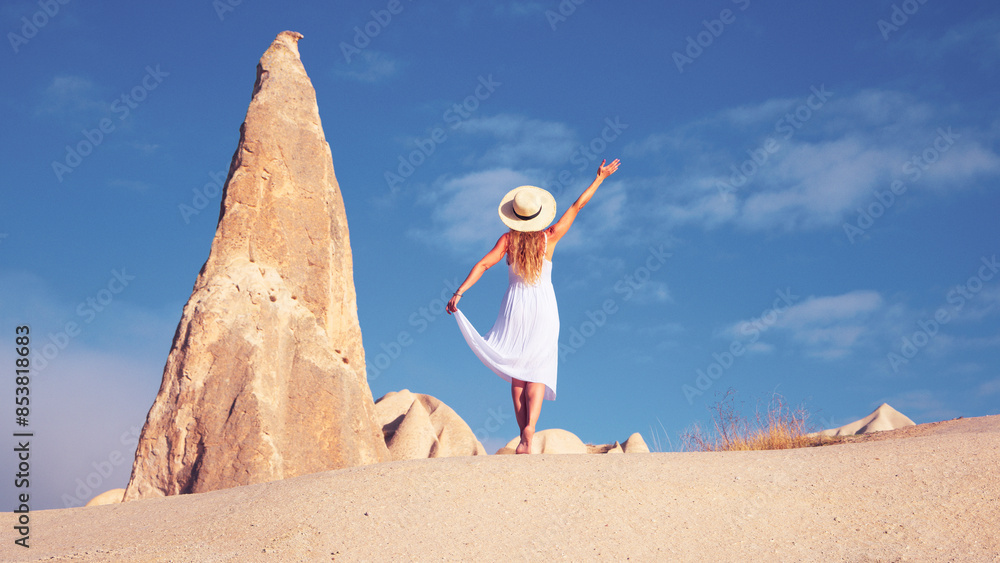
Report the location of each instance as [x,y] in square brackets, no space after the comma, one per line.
[807,202]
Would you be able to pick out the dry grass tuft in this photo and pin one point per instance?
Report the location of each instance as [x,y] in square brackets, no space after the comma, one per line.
[779,428]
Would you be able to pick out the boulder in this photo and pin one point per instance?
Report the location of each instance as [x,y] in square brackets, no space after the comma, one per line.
[550,441]
[417,426]
[265,378]
[114,496]
[635,445]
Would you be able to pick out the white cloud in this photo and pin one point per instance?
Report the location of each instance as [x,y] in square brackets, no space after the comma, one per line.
[826,327]
[653,292]
[814,184]
[828,310]
[817,174]
[463,212]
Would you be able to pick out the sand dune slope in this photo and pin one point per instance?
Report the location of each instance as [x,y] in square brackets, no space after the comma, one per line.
[929,495]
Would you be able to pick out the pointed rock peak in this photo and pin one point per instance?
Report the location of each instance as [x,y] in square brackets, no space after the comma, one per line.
[883,418]
[289,38]
[885,408]
[266,375]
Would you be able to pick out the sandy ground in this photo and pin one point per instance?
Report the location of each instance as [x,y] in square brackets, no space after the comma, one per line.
[926,493]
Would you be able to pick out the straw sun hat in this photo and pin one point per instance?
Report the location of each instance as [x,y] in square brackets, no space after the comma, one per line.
[527,208]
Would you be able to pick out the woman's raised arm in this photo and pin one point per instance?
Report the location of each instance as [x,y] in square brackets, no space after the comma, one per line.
[557,231]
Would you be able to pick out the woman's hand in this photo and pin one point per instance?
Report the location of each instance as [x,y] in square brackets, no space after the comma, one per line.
[453,303]
[605,171]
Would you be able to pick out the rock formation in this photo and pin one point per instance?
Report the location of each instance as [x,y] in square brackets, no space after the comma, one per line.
[883,418]
[417,426]
[266,376]
[635,445]
[559,441]
[114,496]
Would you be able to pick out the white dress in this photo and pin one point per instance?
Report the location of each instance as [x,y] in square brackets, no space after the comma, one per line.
[524,341]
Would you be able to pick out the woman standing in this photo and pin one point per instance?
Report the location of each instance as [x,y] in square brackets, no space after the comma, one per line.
[523,345]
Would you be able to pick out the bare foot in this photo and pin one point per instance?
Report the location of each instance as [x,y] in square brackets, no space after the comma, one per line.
[524,446]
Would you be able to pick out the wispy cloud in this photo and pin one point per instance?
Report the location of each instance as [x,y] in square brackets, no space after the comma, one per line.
[817,174]
[518,8]
[463,212]
[369,66]
[977,40]
[69,94]
[516,140]
[470,12]
[827,327]
[989,388]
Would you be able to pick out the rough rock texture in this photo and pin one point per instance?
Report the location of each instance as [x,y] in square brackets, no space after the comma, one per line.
[417,426]
[883,418]
[114,496]
[558,441]
[266,376]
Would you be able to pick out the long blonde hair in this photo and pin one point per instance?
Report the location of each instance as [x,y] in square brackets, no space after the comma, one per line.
[526,250]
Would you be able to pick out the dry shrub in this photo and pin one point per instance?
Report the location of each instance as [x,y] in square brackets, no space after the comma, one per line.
[779,427]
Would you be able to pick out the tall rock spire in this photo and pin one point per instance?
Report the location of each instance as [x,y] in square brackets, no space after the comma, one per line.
[266,376]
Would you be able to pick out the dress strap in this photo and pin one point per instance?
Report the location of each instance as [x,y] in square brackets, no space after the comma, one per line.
[545,248]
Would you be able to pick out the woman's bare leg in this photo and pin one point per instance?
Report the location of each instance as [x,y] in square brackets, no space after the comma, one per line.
[535,394]
[520,403]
